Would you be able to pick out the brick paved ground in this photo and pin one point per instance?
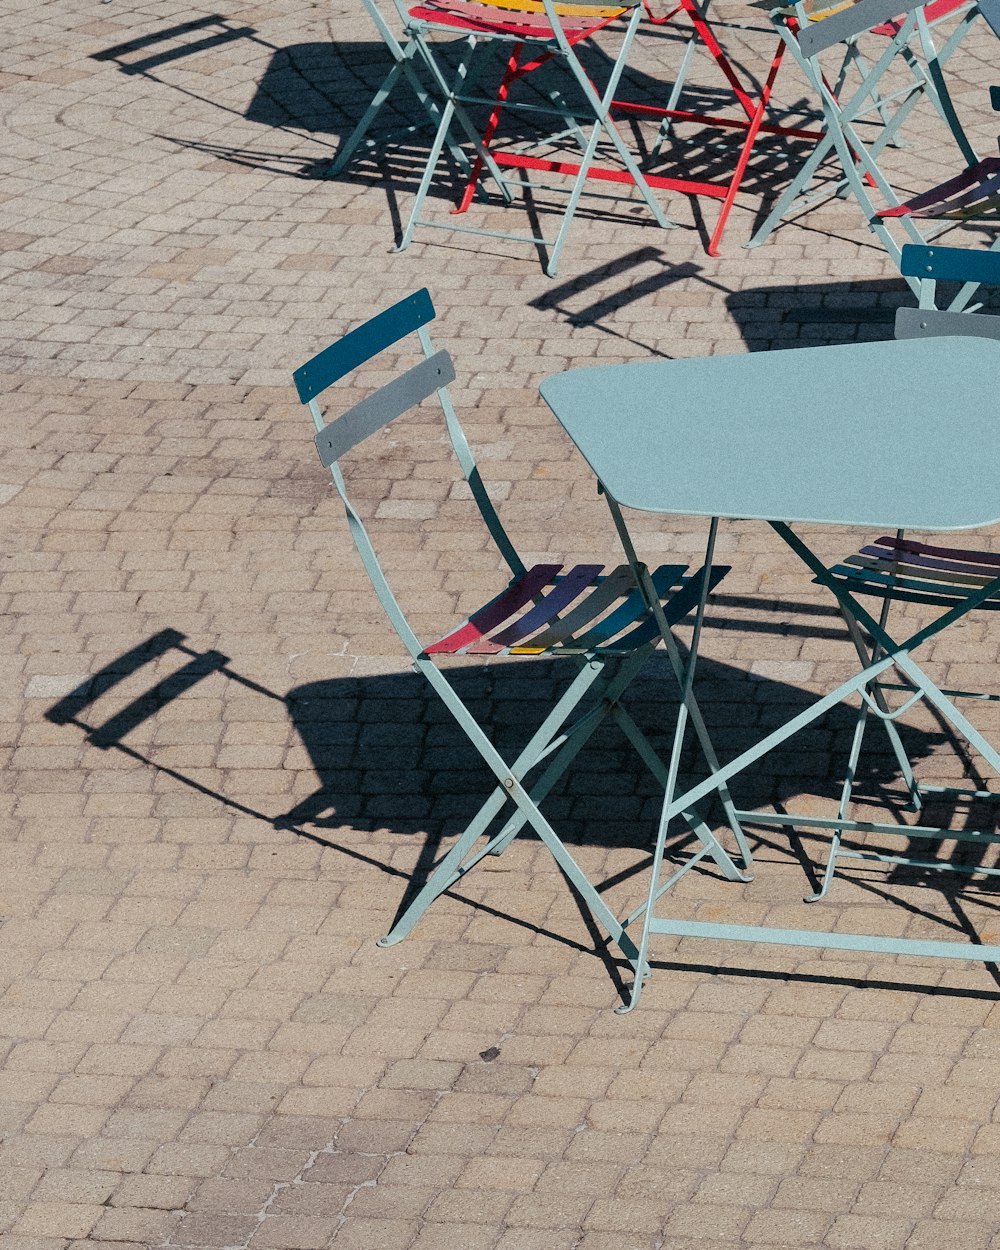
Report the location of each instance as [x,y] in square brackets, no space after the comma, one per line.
[201,1044]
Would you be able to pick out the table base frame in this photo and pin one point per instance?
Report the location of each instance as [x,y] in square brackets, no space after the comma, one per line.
[885,654]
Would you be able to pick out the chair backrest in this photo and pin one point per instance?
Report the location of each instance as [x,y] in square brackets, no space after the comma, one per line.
[339,435]
[990,10]
[818,32]
[931,264]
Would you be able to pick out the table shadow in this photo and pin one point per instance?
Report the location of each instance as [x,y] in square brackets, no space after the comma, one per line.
[388,756]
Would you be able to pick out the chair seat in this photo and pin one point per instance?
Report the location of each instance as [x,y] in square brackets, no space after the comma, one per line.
[519,19]
[974,193]
[919,572]
[546,611]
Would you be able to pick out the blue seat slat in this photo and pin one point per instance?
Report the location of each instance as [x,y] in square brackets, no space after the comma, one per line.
[340,358]
[869,581]
[676,608]
[617,583]
[567,588]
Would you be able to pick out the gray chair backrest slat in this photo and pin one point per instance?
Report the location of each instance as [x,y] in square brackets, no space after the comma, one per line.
[926,323]
[990,9]
[387,403]
[815,36]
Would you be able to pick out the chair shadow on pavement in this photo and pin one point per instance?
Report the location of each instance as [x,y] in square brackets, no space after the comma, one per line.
[785,315]
[788,315]
[319,89]
[388,757]
[818,314]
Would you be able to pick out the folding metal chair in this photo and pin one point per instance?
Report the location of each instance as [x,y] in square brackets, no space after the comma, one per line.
[597,622]
[895,569]
[532,35]
[856,100]
[750,101]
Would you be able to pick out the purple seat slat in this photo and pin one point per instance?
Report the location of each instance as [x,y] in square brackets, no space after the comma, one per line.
[498,610]
[561,596]
[913,563]
[954,553]
[929,202]
[617,584]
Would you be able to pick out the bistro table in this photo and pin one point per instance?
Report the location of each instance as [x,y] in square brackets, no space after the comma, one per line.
[892,435]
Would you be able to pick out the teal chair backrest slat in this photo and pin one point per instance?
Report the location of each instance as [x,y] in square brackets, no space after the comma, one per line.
[340,358]
[385,405]
[950,264]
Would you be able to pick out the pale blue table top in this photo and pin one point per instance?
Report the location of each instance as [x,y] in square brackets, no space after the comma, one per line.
[896,434]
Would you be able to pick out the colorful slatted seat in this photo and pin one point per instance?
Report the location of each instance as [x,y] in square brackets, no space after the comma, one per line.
[970,196]
[899,568]
[563,610]
[604,626]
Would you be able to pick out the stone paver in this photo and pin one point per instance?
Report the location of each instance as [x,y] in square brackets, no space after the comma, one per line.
[221,774]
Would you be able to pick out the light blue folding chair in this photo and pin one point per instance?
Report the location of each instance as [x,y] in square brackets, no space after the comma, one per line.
[862,118]
[539,38]
[596,621]
[895,569]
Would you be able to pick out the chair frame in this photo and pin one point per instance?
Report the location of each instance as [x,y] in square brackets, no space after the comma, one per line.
[861,176]
[893,567]
[604,669]
[548,40]
[406,57]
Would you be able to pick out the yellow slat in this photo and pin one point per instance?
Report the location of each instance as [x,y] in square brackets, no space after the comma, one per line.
[563,10]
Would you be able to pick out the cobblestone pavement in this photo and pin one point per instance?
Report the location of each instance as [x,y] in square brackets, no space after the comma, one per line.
[221,773]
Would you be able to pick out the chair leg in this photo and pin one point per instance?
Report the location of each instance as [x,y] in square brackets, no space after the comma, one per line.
[432,159]
[610,694]
[403,67]
[351,143]
[455,863]
[868,656]
[510,74]
[751,137]
[604,123]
